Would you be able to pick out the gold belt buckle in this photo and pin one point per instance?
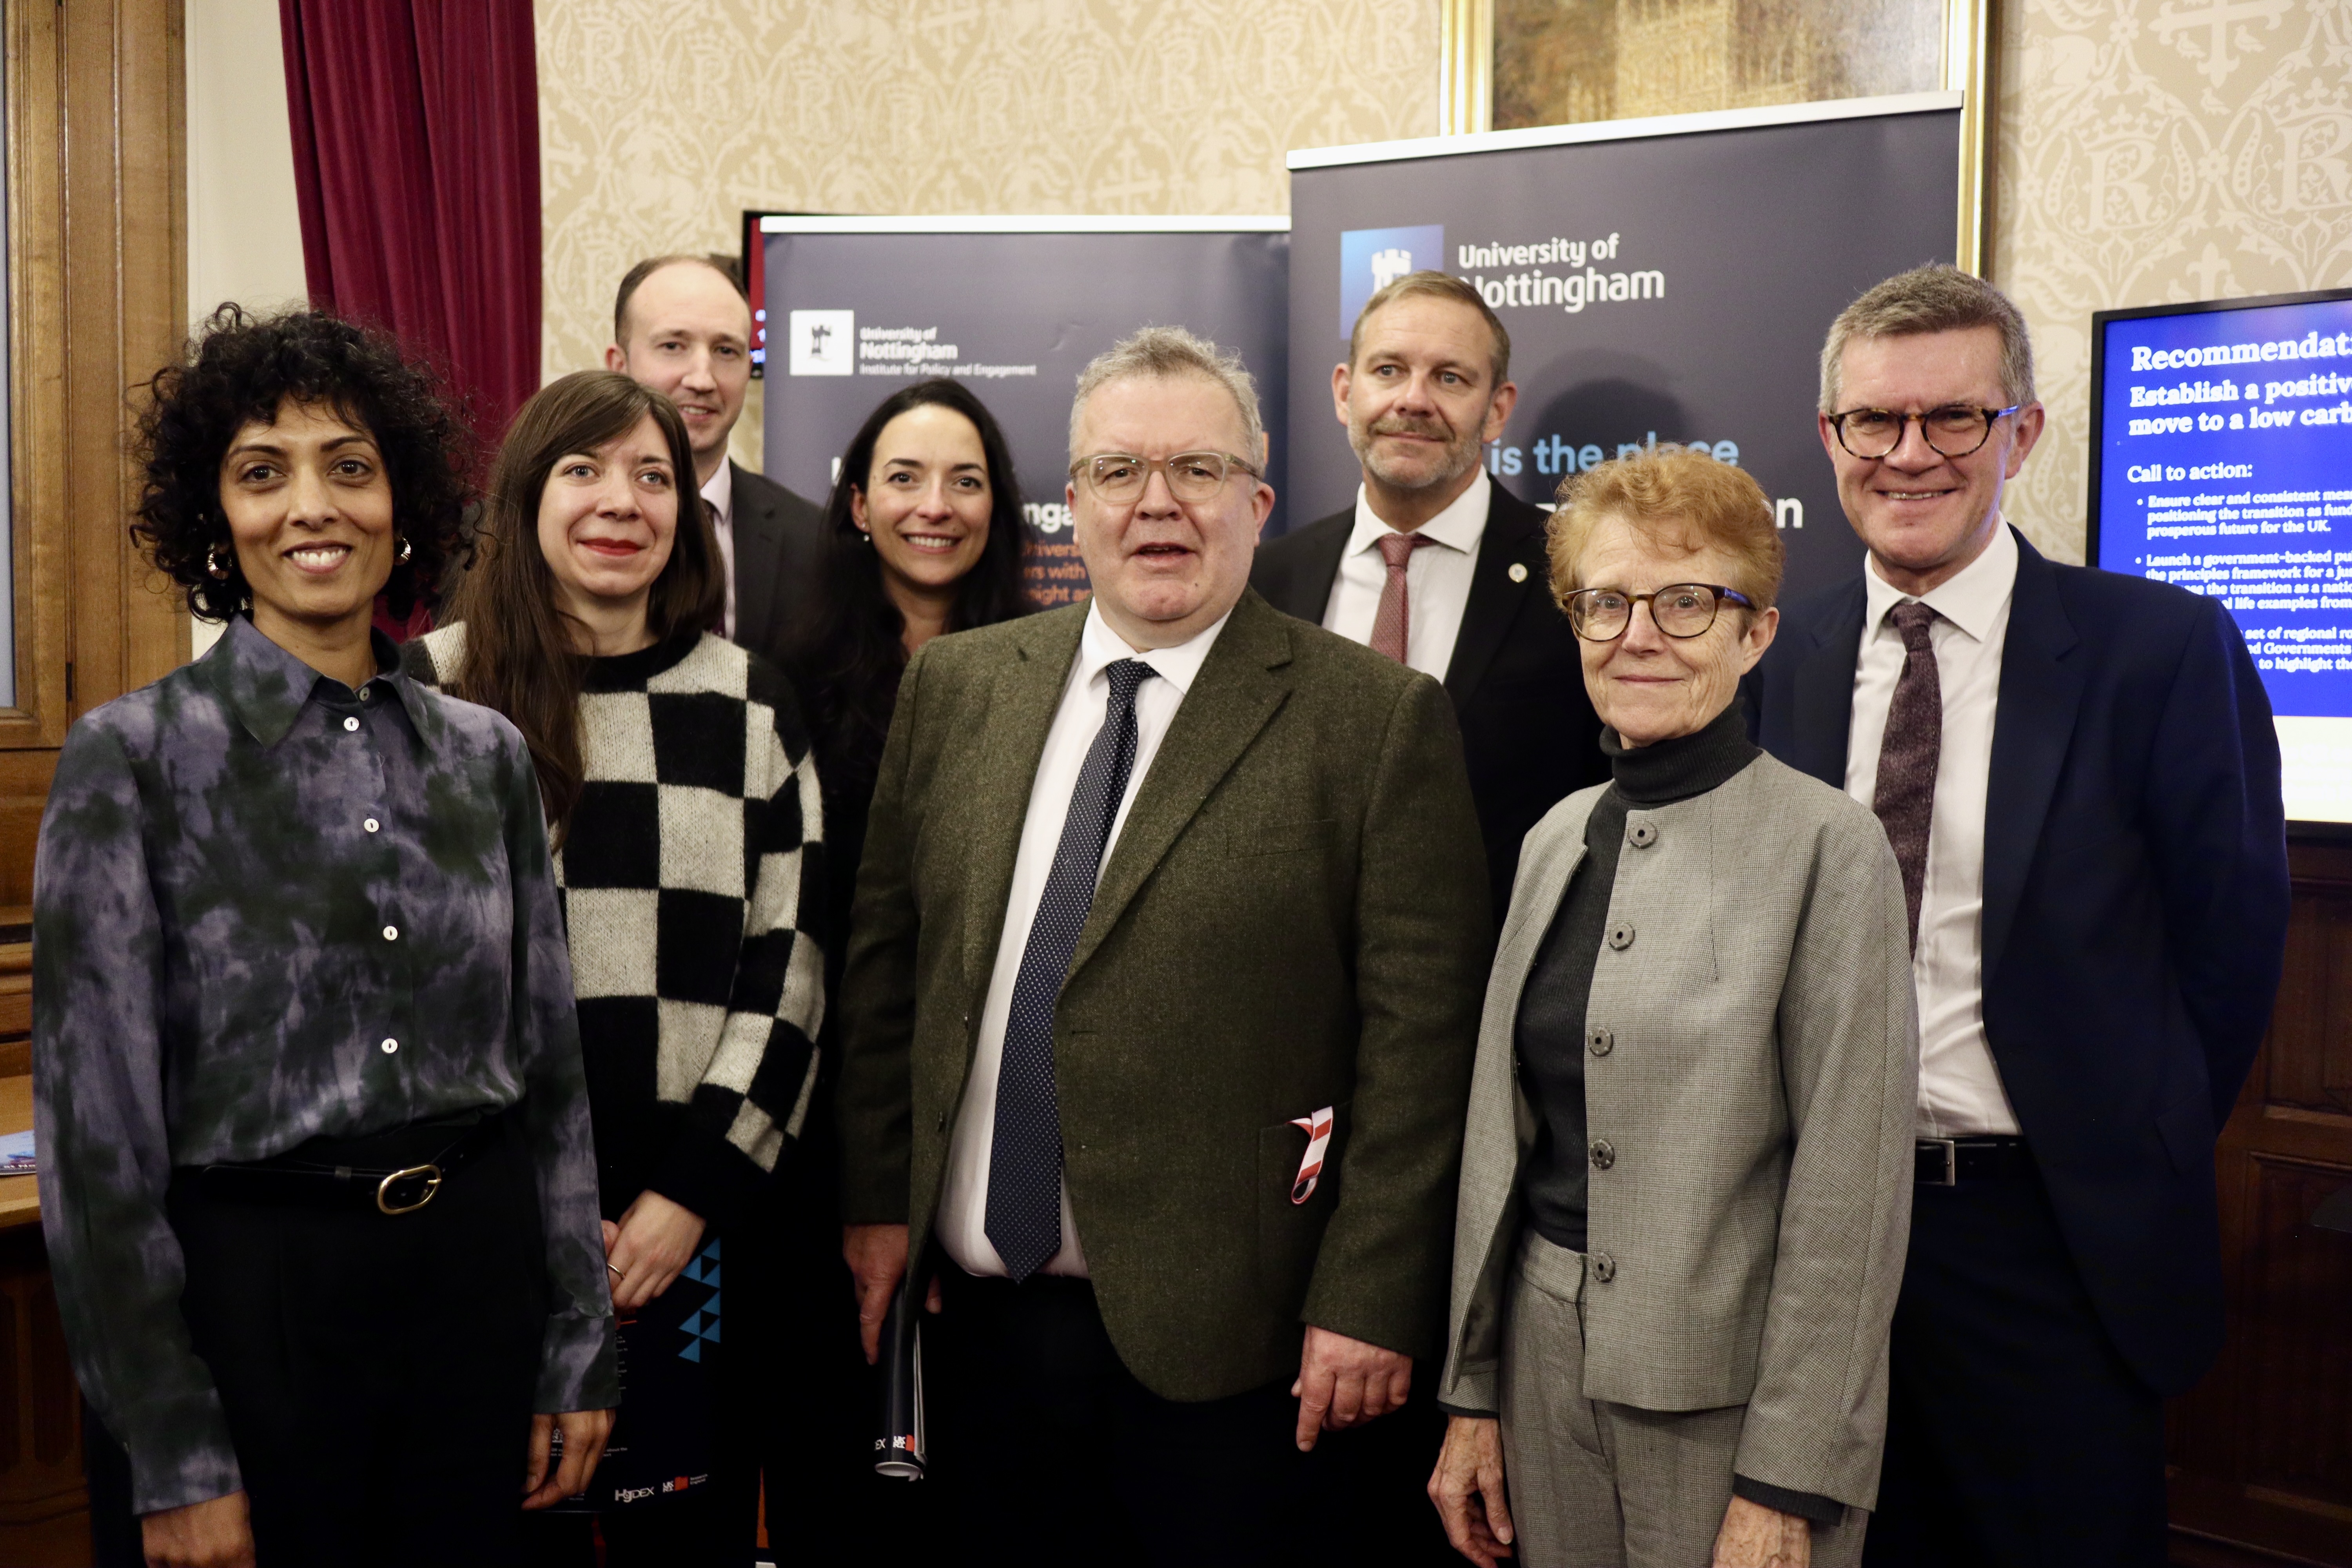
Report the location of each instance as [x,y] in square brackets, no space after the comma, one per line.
[432,1174]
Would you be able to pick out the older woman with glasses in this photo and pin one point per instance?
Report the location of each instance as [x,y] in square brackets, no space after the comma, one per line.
[1686,1173]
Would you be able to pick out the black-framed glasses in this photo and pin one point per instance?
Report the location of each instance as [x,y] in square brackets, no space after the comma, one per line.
[1679,609]
[1120,477]
[1954,430]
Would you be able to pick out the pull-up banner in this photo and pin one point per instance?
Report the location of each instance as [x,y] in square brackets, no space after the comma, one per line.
[1665,279]
[858,308]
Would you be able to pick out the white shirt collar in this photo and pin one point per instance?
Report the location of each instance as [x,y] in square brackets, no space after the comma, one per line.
[1458,527]
[1100,647]
[1972,598]
[721,493]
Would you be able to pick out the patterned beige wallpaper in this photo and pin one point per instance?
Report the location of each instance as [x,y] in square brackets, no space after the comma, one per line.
[2152,151]
[661,120]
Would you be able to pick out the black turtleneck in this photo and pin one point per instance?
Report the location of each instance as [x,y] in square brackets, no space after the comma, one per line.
[1550,1024]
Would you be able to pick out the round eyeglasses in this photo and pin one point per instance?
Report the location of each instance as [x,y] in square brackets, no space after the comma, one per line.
[1680,610]
[1120,477]
[1954,430]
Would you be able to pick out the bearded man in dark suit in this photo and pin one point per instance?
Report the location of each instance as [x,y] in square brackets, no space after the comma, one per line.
[1163,987]
[1439,567]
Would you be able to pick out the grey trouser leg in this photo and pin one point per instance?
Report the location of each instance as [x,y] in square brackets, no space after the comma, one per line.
[1596,1485]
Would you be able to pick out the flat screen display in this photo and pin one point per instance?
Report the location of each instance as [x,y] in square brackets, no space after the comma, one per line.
[2221,461]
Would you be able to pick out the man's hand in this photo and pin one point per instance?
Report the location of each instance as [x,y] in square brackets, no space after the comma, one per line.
[1467,1488]
[214,1534]
[1754,1536]
[649,1249]
[876,1254]
[1345,1382]
[584,1432]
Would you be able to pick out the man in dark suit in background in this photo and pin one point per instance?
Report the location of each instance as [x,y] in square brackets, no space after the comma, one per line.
[682,325]
[1171,935]
[1440,568]
[2079,775]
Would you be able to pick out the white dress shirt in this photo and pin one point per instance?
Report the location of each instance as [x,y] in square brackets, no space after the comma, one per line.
[1086,700]
[721,493]
[1436,577]
[1960,1092]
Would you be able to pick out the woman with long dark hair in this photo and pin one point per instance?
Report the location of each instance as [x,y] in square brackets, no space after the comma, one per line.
[923,536]
[314,1141]
[683,802]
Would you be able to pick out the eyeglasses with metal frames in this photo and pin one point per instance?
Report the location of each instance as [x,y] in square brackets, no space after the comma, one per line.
[1120,477]
[1954,430]
[1679,609]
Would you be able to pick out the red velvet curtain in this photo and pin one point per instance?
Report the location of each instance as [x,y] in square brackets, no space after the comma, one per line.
[416,167]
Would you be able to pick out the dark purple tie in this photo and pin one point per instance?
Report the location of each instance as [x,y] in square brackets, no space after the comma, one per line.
[1906,800]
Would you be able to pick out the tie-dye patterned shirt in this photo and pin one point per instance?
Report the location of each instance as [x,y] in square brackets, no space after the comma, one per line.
[269,907]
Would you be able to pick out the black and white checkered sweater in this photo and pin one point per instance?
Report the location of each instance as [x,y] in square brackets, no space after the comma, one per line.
[691,878]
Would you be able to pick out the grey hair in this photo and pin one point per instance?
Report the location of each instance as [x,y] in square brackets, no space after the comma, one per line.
[1938,297]
[1162,353]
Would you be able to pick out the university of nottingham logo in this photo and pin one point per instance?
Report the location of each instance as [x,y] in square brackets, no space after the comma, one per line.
[824,342]
[1372,259]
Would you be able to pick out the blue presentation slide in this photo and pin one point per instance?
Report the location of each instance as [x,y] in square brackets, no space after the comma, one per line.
[2226,466]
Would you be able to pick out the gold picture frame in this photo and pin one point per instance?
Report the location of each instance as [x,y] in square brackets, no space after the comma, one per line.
[1466,98]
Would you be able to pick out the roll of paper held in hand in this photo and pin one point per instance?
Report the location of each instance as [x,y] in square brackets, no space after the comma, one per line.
[899,1447]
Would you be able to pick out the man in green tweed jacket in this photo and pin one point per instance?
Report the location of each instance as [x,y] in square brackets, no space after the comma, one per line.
[1162,991]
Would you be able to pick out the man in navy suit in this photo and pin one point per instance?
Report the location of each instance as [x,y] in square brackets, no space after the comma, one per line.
[1440,568]
[2081,781]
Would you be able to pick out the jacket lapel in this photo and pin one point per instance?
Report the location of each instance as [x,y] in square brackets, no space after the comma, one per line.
[1021,707]
[758,542]
[1240,688]
[1825,690]
[2041,688]
[1514,537]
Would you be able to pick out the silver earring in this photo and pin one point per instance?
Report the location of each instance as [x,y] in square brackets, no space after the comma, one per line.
[215,564]
[406,550]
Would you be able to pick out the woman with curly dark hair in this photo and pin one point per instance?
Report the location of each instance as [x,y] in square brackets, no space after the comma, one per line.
[316,1172]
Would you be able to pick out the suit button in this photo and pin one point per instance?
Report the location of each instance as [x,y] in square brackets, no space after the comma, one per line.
[1600,1041]
[1620,935]
[1603,1156]
[1643,836]
[1603,1267]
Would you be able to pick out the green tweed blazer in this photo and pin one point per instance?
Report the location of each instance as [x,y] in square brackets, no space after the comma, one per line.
[1294,916]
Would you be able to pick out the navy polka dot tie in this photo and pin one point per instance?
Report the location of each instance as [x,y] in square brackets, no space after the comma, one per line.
[1025,1166]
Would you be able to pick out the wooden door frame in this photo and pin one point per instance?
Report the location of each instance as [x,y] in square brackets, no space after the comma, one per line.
[97,285]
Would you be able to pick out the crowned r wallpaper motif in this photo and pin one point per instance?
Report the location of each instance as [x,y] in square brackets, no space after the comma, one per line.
[661,121]
[2151,151]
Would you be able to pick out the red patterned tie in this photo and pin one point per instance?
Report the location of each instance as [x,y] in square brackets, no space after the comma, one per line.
[1392,626]
[1908,757]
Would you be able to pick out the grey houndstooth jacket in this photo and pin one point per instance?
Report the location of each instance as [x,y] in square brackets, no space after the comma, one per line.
[1757,1092]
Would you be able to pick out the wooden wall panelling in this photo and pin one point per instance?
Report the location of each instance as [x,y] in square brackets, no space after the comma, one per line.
[97,228]
[2262,1450]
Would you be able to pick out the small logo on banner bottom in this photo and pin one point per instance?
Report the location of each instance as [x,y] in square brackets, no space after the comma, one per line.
[1372,259]
[824,342]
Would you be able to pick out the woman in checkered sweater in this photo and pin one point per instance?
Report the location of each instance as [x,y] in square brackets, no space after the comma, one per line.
[683,801]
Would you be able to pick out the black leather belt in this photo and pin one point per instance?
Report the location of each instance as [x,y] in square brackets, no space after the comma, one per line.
[377,1172]
[1949,1161]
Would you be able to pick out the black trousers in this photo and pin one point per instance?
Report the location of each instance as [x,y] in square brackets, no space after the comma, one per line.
[2016,1436]
[1048,1450]
[377,1372]
[826,1504]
